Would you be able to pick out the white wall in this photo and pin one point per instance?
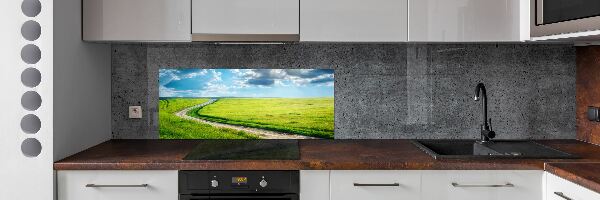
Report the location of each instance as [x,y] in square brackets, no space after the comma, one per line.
[21,177]
[82,79]
[82,75]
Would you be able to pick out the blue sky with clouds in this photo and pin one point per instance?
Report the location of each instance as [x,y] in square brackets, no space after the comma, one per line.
[288,83]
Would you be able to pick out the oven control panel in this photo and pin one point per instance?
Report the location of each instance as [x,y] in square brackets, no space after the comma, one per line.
[239,182]
[231,182]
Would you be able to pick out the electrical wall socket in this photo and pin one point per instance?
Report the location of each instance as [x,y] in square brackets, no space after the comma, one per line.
[135,112]
[593,114]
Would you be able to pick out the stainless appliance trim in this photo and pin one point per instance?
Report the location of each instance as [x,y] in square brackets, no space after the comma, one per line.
[235,197]
[196,37]
[376,184]
[491,185]
[566,27]
[539,12]
[114,186]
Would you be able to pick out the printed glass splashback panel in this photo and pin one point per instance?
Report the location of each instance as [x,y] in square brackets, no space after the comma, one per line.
[246,103]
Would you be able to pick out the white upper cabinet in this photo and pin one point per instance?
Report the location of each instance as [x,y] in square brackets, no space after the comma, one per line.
[307,20]
[468,20]
[353,20]
[136,20]
[245,20]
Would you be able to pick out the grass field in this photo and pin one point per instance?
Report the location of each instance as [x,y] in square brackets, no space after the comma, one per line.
[303,116]
[174,127]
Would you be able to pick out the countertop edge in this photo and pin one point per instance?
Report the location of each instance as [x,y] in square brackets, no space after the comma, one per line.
[259,165]
[573,177]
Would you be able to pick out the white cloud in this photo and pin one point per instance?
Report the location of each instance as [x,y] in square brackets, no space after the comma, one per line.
[195,74]
[170,92]
[217,90]
[216,76]
[212,84]
[267,77]
[168,75]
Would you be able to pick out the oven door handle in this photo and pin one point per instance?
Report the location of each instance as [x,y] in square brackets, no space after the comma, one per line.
[245,196]
[192,197]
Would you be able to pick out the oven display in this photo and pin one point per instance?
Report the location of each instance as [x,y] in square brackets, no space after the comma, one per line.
[239,181]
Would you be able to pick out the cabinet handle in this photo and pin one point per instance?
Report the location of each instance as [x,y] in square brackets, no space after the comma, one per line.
[376,185]
[499,185]
[560,194]
[115,186]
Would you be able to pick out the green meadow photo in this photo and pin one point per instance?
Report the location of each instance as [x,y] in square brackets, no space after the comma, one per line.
[246,103]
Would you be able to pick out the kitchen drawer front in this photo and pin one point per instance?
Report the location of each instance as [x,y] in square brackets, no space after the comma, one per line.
[162,185]
[560,189]
[343,185]
[482,185]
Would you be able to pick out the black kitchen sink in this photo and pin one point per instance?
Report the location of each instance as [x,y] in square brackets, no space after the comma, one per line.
[472,149]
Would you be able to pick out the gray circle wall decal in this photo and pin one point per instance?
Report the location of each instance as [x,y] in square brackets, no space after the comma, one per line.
[31,147]
[31,77]
[31,124]
[31,8]
[31,54]
[31,100]
[31,30]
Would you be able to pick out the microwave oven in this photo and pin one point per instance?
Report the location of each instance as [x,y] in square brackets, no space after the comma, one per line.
[556,17]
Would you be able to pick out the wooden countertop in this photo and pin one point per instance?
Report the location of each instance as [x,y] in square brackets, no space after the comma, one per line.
[314,154]
[584,174]
[331,155]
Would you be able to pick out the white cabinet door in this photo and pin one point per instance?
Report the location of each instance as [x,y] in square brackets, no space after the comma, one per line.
[245,17]
[482,185]
[468,20]
[353,20]
[375,185]
[117,185]
[560,189]
[314,185]
[136,20]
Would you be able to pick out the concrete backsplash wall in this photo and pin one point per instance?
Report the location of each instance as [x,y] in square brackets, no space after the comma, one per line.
[382,90]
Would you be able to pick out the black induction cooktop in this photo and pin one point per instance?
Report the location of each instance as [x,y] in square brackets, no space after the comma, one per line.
[245,150]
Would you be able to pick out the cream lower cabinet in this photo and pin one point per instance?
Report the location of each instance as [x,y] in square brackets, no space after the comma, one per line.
[560,189]
[341,185]
[482,185]
[314,184]
[117,185]
[435,185]
[375,185]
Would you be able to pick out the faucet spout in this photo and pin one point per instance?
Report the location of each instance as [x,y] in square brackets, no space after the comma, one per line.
[486,131]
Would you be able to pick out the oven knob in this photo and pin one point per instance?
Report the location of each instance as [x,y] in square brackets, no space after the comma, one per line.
[263,183]
[214,183]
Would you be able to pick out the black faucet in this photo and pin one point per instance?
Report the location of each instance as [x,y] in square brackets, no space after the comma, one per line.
[486,129]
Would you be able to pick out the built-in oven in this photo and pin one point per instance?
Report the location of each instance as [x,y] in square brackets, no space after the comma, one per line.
[553,17]
[237,185]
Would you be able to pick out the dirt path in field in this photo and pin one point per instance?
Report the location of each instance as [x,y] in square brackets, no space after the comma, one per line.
[264,134]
